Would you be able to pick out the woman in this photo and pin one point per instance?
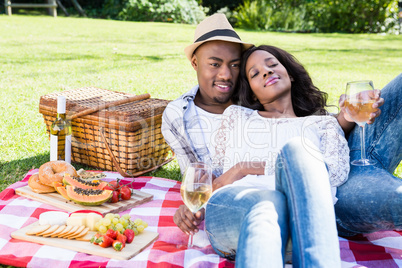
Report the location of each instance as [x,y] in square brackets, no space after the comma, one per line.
[295,161]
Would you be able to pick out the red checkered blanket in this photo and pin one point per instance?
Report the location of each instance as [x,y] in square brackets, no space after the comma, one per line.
[381,249]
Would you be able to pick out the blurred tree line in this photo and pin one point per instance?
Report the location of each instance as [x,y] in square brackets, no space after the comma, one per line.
[348,16]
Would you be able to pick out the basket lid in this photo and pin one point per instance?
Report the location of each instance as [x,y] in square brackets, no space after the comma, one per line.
[86,98]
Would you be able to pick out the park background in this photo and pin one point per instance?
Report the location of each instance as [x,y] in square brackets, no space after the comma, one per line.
[136,46]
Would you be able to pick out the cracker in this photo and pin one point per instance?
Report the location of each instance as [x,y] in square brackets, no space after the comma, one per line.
[87,237]
[49,231]
[81,234]
[65,231]
[77,231]
[37,229]
[72,230]
[58,231]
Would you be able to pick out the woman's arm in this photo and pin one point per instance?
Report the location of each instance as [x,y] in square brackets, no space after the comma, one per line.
[335,150]
[346,123]
[232,119]
[237,172]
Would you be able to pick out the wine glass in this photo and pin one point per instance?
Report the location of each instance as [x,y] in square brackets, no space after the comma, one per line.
[196,188]
[359,102]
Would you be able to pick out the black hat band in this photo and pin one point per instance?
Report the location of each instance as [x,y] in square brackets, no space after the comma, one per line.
[221,32]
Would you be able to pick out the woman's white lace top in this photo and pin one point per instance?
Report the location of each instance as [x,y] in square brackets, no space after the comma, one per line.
[244,135]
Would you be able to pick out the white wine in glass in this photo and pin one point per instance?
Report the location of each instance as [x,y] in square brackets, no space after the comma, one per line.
[196,188]
[359,102]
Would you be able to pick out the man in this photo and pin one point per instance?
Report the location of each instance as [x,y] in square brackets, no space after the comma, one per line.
[190,123]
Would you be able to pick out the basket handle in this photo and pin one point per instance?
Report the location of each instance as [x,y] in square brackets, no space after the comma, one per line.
[113,103]
[116,164]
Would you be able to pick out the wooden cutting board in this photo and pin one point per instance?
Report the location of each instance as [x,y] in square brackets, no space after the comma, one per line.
[58,201]
[140,242]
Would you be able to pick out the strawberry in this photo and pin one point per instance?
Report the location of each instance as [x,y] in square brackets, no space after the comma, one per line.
[112,233]
[130,235]
[118,245]
[105,241]
[94,239]
[122,238]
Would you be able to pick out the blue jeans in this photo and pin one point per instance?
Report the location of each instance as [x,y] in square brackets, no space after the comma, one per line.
[252,226]
[371,198]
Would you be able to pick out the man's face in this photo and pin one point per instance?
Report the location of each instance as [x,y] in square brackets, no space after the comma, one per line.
[217,64]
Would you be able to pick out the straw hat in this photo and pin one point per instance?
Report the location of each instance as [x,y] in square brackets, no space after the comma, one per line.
[215,27]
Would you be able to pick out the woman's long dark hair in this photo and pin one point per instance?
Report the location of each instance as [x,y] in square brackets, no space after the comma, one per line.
[307,99]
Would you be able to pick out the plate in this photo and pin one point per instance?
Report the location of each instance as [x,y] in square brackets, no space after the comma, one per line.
[56,200]
[140,242]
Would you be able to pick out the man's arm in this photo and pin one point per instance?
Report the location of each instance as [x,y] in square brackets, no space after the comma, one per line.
[173,131]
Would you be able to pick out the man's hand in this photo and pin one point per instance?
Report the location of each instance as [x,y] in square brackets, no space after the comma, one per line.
[378,103]
[187,221]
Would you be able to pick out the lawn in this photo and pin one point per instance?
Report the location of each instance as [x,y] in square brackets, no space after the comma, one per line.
[40,55]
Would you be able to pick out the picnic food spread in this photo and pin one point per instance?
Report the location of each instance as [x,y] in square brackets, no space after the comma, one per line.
[109,231]
[115,231]
[84,188]
[58,224]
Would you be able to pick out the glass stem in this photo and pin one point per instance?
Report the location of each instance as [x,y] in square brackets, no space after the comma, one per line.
[190,241]
[362,142]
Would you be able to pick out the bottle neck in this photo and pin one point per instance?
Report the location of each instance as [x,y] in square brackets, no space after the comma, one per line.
[62,116]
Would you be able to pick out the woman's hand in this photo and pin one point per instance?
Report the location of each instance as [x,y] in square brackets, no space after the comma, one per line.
[237,172]
[378,103]
[187,221]
[347,123]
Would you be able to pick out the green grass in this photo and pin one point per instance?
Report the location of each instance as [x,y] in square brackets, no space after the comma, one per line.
[40,55]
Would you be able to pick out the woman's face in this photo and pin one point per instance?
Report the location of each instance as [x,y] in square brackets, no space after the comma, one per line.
[268,78]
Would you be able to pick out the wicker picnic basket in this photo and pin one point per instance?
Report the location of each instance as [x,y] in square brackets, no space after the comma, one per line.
[112,130]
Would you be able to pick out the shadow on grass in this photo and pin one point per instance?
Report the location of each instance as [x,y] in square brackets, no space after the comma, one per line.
[79,57]
[13,171]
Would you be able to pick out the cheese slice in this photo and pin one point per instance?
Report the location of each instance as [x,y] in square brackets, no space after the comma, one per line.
[77,220]
[92,219]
